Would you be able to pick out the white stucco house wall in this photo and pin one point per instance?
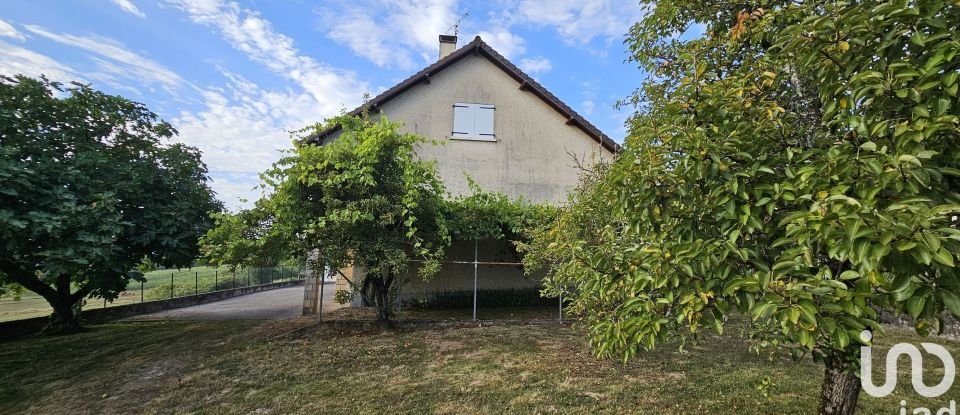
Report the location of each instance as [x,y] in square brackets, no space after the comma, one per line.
[497,126]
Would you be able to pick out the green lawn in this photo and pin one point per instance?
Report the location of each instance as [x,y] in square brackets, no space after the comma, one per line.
[248,367]
[156,287]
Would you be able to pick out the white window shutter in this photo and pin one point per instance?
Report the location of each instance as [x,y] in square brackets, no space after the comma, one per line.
[484,121]
[463,120]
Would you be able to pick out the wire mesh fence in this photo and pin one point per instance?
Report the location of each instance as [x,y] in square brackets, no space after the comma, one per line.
[167,284]
[161,285]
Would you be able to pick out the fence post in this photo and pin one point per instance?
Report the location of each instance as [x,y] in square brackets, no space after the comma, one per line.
[141,291]
[216,280]
[475,260]
[171,285]
[248,277]
[234,280]
[196,283]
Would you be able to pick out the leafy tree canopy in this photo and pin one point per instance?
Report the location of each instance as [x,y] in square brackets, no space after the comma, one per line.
[797,162]
[363,200]
[493,215]
[248,238]
[89,191]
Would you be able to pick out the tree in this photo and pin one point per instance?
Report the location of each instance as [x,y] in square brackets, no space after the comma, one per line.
[364,201]
[248,238]
[797,163]
[89,191]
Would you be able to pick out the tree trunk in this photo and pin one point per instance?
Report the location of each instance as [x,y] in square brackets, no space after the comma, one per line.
[64,319]
[841,385]
[382,299]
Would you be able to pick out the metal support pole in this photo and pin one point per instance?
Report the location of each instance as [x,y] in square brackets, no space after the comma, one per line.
[320,300]
[141,291]
[476,260]
[196,283]
[234,280]
[171,285]
[561,307]
[216,280]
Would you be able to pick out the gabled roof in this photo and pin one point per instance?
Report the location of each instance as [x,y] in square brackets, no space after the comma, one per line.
[479,47]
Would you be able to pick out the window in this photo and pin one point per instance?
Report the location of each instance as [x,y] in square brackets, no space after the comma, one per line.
[473,122]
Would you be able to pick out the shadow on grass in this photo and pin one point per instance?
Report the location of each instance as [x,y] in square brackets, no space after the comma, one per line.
[253,367]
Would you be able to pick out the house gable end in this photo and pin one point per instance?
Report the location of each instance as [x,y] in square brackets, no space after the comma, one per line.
[525,83]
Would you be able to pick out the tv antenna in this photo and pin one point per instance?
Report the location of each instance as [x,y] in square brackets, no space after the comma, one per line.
[456,26]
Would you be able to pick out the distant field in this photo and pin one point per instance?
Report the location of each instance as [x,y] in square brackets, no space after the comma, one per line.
[157,286]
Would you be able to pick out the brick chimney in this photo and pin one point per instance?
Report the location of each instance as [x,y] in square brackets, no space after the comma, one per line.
[448,44]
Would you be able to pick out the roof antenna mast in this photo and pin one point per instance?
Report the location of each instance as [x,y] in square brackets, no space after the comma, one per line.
[456,26]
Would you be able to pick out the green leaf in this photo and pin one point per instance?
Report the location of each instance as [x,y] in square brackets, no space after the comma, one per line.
[915,306]
[951,301]
[849,275]
[734,235]
[762,310]
[906,245]
[900,283]
[944,257]
[784,265]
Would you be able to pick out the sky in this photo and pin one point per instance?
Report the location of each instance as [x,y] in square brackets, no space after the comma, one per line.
[234,77]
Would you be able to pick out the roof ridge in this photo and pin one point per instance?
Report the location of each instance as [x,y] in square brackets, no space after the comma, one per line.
[477,45]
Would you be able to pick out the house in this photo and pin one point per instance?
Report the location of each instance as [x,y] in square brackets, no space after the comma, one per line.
[500,128]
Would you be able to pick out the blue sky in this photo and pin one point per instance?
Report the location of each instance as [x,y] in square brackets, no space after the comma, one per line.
[233,77]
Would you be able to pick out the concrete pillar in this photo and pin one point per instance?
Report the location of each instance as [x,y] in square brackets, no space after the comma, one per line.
[311,285]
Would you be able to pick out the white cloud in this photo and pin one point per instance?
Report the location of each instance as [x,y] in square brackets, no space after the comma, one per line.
[390,33]
[246,31]
[241,131]
[503,41]
[587,107]
[125,63]
[242,127]
[536,65]
[129,7]
[7,30]
[368,38]
[16,60]
[580,21]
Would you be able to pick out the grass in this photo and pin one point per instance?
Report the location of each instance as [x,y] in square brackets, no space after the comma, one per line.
[156,287]
[246,367]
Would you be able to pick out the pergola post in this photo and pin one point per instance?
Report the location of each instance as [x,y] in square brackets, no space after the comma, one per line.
[312,293]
